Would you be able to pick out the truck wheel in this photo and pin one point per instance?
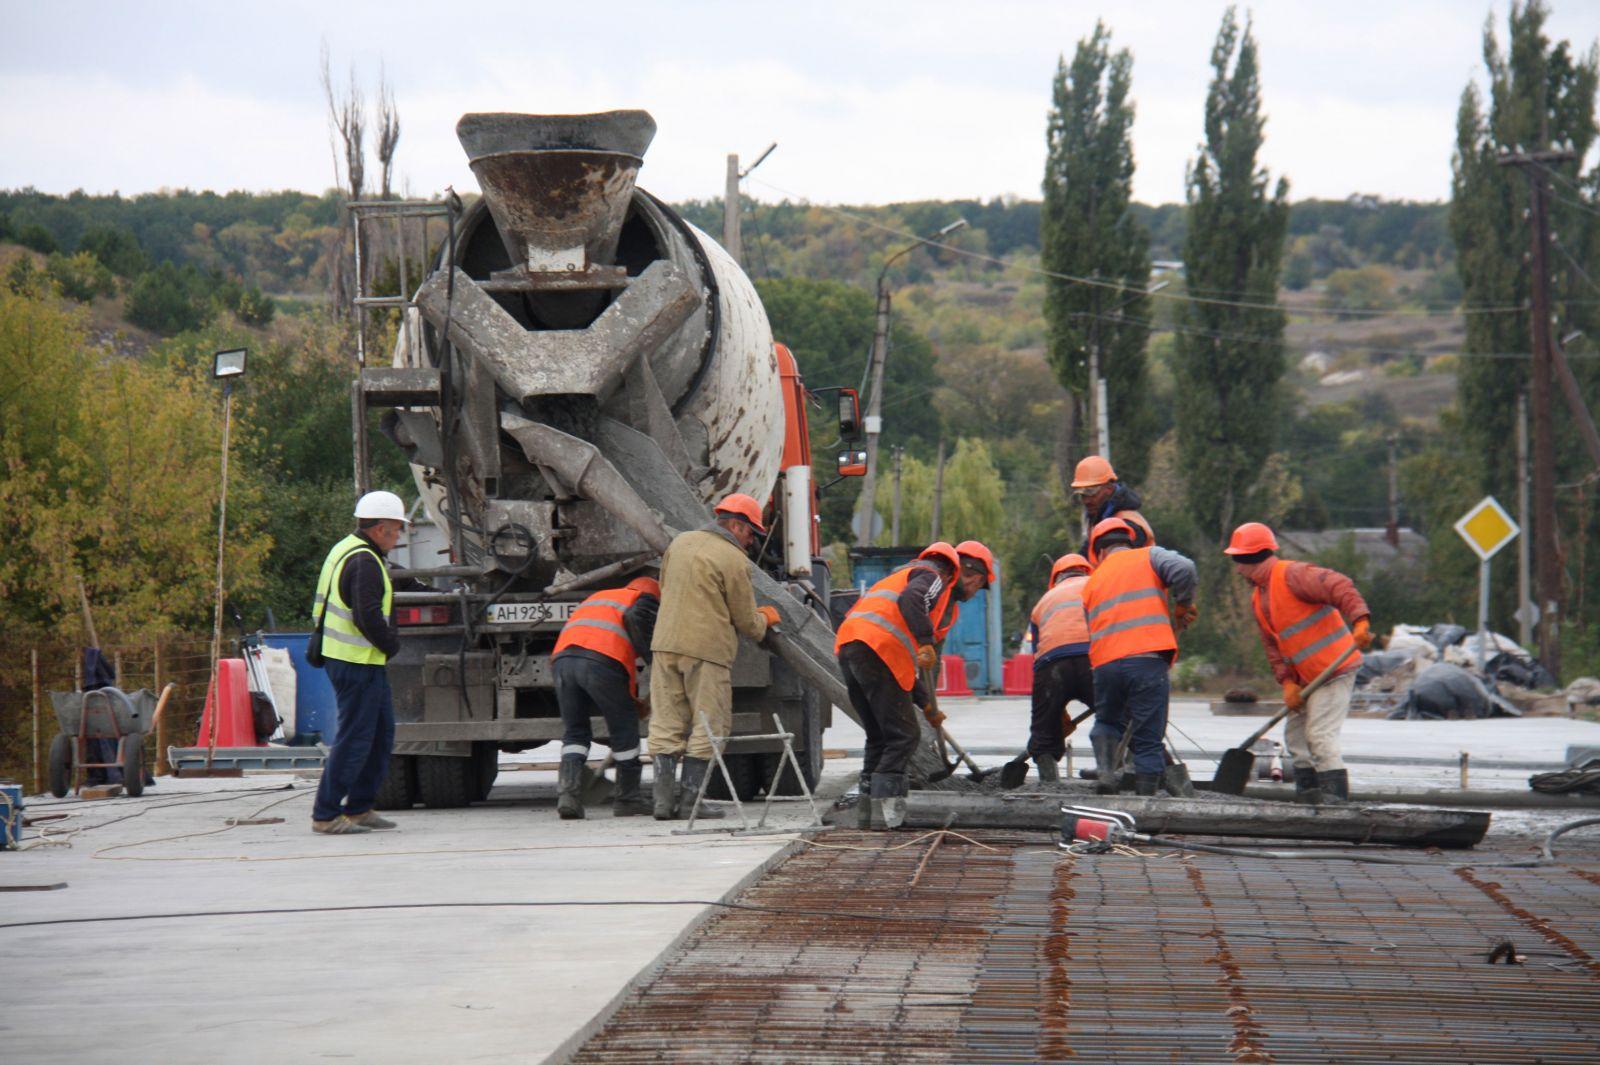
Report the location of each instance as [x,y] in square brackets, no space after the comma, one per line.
[807,751]
[131,757]
[61,765]
[486,766]
[445,782]
[399,788]
[746,772]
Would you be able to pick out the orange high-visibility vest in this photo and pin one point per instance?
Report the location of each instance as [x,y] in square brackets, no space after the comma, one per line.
[1126,606]
[596,625]
[876,621]
[1133,517]
[1310,636]
[1059,616]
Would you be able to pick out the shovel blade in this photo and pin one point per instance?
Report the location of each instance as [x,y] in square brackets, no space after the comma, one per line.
[1233,772]
[596,788]
[1013,773]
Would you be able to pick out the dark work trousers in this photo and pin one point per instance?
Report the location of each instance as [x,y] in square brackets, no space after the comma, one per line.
[588,688]
[1055,684]
[359,760]
[1132,692]
[886,712]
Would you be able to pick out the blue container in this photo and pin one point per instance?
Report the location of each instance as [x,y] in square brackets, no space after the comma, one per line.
[976,633]
[316,711]
[10,816]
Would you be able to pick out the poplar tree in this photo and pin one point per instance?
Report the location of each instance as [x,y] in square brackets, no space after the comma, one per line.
[1087,230]
[1228,358]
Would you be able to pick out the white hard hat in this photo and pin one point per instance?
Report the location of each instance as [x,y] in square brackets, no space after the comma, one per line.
[382,505]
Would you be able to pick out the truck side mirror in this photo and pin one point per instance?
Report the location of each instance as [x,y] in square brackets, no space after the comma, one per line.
[849,413]
[852,463]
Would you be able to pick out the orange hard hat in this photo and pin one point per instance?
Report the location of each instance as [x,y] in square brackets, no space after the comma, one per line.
[742,506]
[1250,538]
[1111,527]
[973,549]
[646,585]
[1093,472]
[941,550]
[1067,563]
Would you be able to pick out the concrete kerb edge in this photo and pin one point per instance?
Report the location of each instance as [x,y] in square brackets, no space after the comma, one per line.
[570,1046]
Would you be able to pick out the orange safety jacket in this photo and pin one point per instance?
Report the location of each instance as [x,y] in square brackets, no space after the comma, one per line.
[1059,619]
[1310,636]
[596,625]
[876,621]
[1133,517]
[1126,607]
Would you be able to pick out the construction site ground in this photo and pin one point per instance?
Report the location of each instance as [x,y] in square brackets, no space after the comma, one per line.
[500,934]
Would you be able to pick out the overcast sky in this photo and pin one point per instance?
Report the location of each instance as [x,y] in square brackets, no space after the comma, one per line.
[871,102]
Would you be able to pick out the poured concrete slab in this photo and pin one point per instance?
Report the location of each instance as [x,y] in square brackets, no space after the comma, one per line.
[456,978]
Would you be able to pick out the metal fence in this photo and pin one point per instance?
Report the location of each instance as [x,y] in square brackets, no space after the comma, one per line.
[28,672]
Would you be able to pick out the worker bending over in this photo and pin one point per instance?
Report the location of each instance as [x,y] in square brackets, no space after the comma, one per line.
[706,603]
[1096,487]
[1059,632]
[889,635]
[595,675]
[1309,616]
[1137,600]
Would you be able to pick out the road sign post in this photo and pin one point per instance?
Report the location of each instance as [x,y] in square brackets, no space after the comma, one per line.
[1486,528]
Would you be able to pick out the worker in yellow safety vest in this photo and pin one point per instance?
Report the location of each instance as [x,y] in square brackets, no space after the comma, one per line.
[1059,632]
[353,637]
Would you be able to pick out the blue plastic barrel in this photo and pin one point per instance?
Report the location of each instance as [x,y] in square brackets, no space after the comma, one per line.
[315,709]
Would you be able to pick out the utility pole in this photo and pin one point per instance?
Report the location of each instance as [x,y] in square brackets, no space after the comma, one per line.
[732,204]
[1547,570]
[1524,618]
[894,535]
[938,493]
[730,210]
[1392,531]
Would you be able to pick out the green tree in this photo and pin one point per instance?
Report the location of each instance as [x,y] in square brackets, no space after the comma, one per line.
[1088,230]
[35,236]
[972,506]
[168,300]
[1228,358]
[1365,287]
[79,277]
[116,247]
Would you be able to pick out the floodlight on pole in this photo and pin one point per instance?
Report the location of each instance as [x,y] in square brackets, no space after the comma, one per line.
[226,366]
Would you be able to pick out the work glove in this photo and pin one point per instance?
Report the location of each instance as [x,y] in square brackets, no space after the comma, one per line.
[933,717]
[1291,695]
[927,657]
[642,708]
[1363,633]
[1067,724]
[770,614]
[1183,615]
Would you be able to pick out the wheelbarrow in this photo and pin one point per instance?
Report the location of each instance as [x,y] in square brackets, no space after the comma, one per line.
[102,714]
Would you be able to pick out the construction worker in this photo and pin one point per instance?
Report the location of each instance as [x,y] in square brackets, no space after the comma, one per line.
[1309,617]
[353,636]
[1059,632]
[707,602]
[594,673]
[1136,601]
[888,636]
[1096,487]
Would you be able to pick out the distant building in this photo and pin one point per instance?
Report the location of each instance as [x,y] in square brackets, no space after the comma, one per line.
[1376,547]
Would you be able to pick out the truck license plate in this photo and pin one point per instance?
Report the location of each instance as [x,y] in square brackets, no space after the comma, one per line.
[529,613]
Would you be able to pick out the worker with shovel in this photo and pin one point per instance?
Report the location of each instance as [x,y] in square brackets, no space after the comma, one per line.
[886,638]
[1309,618]
[1136,601]
[594,673]
[1061,673]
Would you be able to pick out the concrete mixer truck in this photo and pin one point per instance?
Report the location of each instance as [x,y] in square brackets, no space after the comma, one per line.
[578,376]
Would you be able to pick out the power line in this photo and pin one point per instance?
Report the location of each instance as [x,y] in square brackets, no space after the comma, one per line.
[1124,287]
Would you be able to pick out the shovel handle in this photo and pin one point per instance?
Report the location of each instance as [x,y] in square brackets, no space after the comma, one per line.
[1322,678]
[960,752]
[1074,722]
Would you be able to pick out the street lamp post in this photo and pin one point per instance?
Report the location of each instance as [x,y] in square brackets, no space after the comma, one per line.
[1099,420]
[874,418]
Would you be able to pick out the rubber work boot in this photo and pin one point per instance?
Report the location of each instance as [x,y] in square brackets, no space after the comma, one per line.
[628,801]
[1335,786]
[1307,786]
[889,792]
[1146,783]
[569,787]
[864,802]
[694,771]
[1105,756]
[1049,771]
[666,787]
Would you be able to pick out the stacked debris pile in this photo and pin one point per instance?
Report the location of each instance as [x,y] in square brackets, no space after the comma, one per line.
[1583,778]
[1434,673]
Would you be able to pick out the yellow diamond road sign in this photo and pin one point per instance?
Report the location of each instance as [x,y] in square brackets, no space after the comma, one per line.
[1487,528]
